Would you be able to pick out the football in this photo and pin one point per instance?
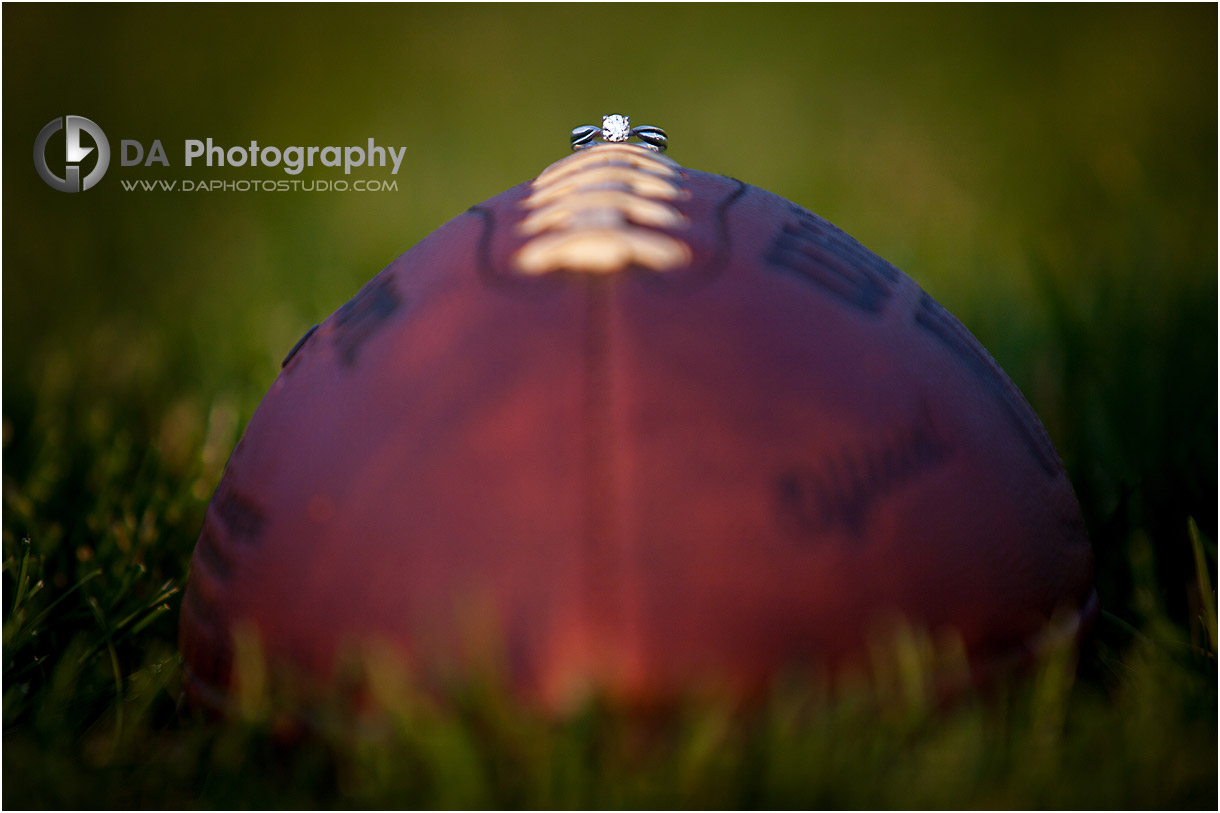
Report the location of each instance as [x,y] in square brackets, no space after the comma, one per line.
[637,429]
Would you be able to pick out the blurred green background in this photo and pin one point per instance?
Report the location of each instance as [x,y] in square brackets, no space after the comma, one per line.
[1047,172]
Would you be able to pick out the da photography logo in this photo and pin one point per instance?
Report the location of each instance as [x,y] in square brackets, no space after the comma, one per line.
[74,153]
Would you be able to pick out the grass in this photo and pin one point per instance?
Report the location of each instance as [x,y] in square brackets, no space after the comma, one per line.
[1049,174]
[93,717]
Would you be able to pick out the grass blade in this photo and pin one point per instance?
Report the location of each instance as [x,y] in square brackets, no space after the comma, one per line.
[42,616]
[1205,587]
[23,574]
[96,608]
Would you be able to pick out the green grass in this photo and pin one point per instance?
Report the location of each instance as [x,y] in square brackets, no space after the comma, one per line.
[1048,173]
[93,717]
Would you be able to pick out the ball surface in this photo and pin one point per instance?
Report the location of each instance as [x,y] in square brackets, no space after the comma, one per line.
[655,428]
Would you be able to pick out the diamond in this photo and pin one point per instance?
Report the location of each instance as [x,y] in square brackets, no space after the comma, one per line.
[616,128]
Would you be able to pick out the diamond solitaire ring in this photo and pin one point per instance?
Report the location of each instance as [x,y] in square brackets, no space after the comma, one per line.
[616,129]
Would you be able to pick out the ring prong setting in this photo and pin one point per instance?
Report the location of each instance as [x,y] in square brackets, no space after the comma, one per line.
[616,128]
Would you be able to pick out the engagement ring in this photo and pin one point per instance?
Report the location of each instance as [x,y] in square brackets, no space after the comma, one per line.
[617,129]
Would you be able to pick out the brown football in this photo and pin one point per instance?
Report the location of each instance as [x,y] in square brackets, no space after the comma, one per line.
[658,429]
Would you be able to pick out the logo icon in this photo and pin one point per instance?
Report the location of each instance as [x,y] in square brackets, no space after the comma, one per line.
[74,153]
